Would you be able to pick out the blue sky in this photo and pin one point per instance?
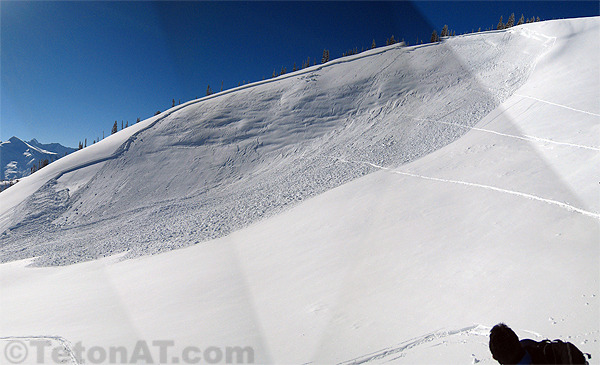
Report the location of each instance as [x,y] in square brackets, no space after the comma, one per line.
[69,70]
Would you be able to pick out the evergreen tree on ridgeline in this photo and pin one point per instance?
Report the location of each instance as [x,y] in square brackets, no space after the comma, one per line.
[434,36]
[511,21]
[444,31]
[325,56]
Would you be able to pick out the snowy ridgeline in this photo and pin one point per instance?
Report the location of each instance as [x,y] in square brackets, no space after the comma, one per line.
[18,157]
[214,166]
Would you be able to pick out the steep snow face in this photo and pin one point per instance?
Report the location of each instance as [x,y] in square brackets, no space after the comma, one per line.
[410,264]
[213,166]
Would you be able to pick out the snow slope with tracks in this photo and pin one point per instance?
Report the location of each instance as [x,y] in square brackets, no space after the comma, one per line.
[451,186]
[212,166]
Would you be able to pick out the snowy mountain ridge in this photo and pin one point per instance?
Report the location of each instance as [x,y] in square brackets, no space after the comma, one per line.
[17,157]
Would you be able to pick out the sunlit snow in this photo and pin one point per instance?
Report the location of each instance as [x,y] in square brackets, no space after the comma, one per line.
[388,207]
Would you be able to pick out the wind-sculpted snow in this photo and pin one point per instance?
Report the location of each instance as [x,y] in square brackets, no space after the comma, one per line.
[222,163]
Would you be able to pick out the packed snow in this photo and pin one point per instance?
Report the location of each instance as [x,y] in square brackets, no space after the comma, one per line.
[388,207]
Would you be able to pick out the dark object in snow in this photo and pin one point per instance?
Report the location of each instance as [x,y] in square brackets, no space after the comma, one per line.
[507,349]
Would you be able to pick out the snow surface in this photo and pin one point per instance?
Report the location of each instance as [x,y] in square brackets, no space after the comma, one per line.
[452,186]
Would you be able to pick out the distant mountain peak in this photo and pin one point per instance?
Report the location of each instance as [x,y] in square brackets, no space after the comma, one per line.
[17,156]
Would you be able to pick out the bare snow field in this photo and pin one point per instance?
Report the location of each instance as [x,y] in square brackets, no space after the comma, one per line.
[388,207]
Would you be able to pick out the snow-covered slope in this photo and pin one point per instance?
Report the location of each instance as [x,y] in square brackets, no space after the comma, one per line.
[17,157]
[210,167]
[412,263]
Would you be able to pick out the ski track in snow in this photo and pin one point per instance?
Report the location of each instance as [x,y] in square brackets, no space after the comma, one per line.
[64,343]
[523,137]
[418,341]
[488,187]
[555,104]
